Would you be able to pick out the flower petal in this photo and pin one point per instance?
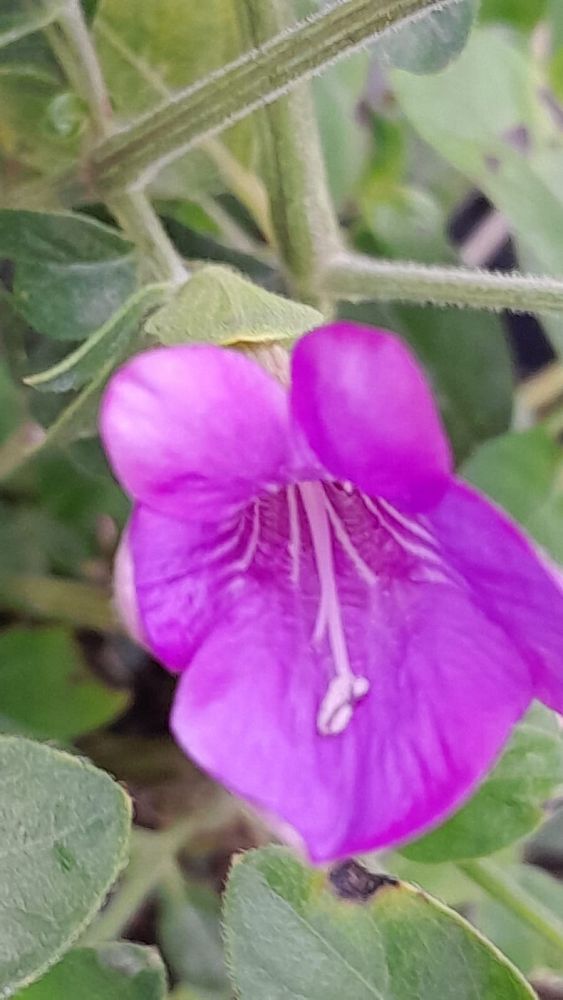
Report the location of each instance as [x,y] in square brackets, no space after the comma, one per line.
[366,410]
[445,685]
[439,711]
[193,431]
[513,582]
[186,574]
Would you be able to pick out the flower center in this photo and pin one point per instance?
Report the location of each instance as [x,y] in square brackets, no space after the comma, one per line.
[346,688]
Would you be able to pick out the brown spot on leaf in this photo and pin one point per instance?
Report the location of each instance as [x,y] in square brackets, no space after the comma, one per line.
[350,880]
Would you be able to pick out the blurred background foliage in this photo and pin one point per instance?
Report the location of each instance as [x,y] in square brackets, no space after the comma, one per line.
[463,165]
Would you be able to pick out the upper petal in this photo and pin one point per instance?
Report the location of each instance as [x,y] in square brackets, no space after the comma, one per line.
[513,582]
[445,683]
[193,431]
[367,411]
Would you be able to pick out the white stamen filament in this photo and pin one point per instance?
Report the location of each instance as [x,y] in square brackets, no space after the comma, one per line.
[346,542]
[419,551]
[337,706]
[411,526]
[294,534]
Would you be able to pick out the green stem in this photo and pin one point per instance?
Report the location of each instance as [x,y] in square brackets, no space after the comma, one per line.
[357,278]
[505,890]
[132,209]
[305,225]
[242,182]
[80,604]
[138,218]
[80,62]
[152,857]
[152,853]
[261,76]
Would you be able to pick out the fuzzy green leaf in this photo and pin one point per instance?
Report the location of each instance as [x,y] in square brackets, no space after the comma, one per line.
[64,829]
[117,971]
[289,938]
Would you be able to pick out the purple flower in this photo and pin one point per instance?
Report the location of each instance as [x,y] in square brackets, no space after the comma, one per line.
[357,630]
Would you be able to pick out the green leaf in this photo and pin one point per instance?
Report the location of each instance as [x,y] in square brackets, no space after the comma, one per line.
[108,343]
[522,473]
[288,937]
[521,13]
[467,359]
[506,807]
[345,141]
[16,22]
[46,688]
[511,148]
[453,111]
[556,21]
[117,971]
[64,828]
[30,80]
[71,272]
[430,43]
[406,223]
[219,306]
[79,419]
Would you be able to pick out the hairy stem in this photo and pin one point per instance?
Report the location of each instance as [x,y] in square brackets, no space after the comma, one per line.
[500,886]
[359,278]
[144,228]
[242,182]
[77,55]
[258,78]
[305,225]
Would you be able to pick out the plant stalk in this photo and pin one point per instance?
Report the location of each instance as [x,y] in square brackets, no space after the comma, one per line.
[305,225]
[153,854]
[359,278]
[500,886]
[259,77]
[133,210]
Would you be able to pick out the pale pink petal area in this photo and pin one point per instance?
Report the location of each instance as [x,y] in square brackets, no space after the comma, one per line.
[124,589]
[193,431]
[514,584]
[366,409]
[187,575]
[438,685]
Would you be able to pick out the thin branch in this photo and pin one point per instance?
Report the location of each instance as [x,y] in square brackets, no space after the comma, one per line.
[305,225]
[501,886]
[359,278]
[137,153]
[245,185]
[133,210]
[82,66]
